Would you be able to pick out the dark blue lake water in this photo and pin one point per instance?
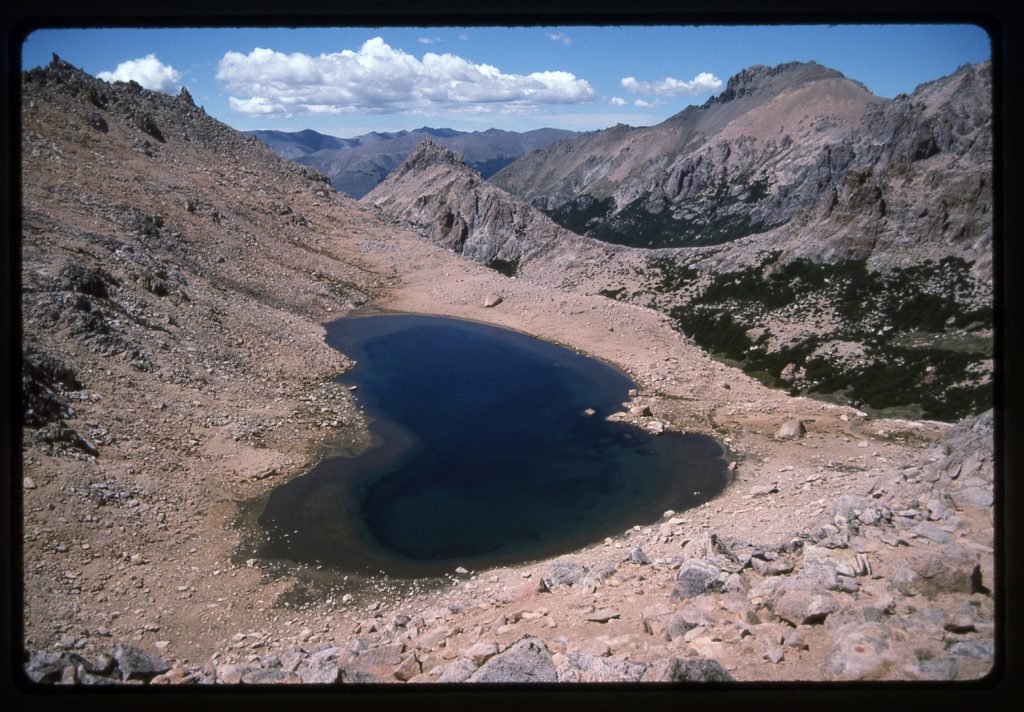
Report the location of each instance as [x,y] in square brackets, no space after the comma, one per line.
[485,455]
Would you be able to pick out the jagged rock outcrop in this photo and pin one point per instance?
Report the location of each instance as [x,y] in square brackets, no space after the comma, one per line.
[357,165]
[435,190]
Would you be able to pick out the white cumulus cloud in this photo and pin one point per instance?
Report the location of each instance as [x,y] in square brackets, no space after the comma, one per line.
[703,82]
[381,78]
[617,101]
[148,71]
[560,37]
[643,104]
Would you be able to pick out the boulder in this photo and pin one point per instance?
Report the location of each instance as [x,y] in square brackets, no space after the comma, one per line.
[859,651]
[792,430]
[804,608]
[136,663]
[318,672]
[270,676]
[527,661]
[775,567]
[409,668]
[601,615]
[580,667]
[230,674]
[637,556]
[563,573]
[481,652]
[953,569]
[687,670]
[696,577]
[458,670]
[492,300]
[46,667]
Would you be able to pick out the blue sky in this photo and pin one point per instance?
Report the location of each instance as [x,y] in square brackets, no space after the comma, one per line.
[349,81]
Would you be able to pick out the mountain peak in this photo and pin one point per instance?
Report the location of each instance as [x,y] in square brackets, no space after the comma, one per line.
[428,154]
[760,78]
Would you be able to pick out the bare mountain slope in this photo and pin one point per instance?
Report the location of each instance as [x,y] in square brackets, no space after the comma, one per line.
[834,242]
[708,175]
[437,191]
[829,170]
[174,278]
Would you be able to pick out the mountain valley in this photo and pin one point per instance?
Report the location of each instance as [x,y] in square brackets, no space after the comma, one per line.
[175,279]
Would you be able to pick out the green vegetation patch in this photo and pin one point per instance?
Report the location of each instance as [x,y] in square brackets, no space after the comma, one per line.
[509,268]
[911,323]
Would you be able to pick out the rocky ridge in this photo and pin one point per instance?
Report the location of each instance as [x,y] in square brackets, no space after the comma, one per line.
[173,291]
[788,150]
[357,165]
[439,194]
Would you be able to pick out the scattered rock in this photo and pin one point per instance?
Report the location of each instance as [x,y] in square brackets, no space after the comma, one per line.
[136,663]
[527,661]
[696,577]
[792,430]
[804,608]
[602,615]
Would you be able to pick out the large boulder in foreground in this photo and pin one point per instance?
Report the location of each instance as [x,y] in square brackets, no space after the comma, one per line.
[529,660]
[953,569]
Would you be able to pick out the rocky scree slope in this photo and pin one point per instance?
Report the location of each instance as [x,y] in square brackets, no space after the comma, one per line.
[357,165]
[174,277]
[890,580]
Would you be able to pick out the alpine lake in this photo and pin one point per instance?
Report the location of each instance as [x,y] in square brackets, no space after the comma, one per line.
[488,448]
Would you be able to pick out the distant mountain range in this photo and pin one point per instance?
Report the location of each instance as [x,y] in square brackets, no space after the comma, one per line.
[356,165]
